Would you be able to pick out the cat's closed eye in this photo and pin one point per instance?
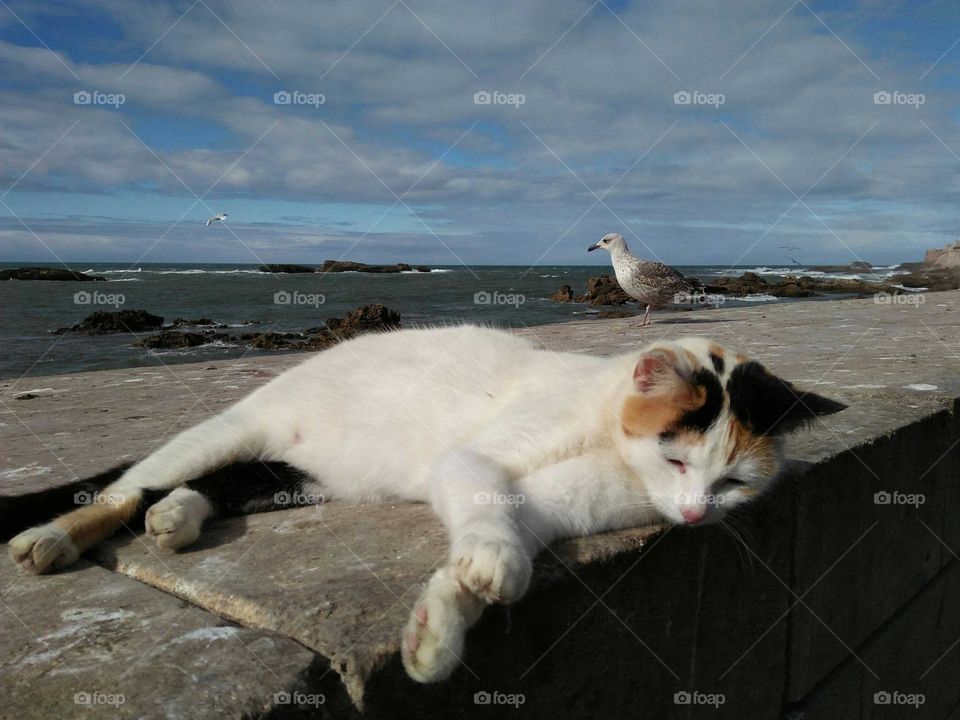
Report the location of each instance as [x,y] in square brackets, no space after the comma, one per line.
[731,483]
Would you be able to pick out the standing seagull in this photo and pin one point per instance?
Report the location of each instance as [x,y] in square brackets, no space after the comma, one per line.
[651,283]
[216,218]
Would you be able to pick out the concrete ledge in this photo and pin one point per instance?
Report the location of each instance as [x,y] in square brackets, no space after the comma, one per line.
[616,624]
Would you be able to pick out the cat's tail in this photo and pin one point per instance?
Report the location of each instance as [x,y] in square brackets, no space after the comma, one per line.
[223,439]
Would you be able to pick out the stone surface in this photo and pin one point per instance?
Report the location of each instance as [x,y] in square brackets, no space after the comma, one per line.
[340,579]
[91,643]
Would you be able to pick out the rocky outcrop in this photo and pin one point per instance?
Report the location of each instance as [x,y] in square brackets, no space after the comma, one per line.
[108,323]
[858,267]
[795,286]
[934,279]
[45,273]
[200,322]
[946,257]
[369,318]
[171,339]
[603,290]
[338,266]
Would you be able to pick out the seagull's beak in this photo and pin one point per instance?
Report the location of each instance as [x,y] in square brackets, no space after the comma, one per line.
[593,247]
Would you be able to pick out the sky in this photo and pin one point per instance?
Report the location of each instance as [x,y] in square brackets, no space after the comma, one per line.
[515,132]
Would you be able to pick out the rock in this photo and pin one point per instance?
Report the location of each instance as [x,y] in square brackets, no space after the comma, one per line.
[108,323]
[286,268]
[171,339]
[423,268]
[206,322]
[793,286]
[605,290]
[45,273]
[269,340]
[336,266]
[564,294]
[934,279]
[859,266]
[364,319]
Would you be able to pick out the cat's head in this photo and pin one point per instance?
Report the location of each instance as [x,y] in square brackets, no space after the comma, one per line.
[702,427]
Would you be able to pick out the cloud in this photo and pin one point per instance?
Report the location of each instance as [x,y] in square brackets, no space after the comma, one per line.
[597,144]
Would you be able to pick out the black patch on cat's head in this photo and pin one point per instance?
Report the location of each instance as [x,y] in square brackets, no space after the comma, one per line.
[768,405]
[705,415]
[718,363]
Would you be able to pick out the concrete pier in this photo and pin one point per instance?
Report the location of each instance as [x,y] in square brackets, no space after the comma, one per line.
[837,596]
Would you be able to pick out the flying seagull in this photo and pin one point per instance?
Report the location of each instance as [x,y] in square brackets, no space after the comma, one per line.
[651,283]
[216,218]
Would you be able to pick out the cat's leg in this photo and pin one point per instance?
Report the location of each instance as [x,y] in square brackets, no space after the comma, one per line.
[489,553]
[490,560]
[432,641]
[229,437]
[176,520]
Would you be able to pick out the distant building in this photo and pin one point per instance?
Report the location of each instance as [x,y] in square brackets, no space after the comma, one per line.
[948,256]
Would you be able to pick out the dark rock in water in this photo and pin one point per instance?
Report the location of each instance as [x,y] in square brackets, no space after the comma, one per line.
[206,322]
[796,286]
[336,266]
[286,268]
[911,266]
[364,319]
[423,268]
[171,339]
[45,273]
[933,279]
[107,323]
[605,290]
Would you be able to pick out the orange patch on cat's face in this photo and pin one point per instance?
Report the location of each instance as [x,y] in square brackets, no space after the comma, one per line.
[645,415]
[743,444]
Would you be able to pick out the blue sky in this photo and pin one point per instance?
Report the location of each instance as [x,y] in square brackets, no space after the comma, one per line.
[783,141]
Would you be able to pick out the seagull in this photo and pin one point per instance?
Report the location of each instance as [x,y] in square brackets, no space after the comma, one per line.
[216,218]
[651,283]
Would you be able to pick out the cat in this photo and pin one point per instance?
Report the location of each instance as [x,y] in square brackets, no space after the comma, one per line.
[513,446]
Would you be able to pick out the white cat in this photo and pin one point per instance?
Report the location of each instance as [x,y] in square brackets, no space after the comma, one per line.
[513,446]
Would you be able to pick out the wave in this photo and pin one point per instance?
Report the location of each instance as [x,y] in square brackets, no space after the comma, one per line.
[758,297]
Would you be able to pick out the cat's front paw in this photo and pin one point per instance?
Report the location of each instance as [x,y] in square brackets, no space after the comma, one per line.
[432,640]
[175,521]
[496,570]
[44,548]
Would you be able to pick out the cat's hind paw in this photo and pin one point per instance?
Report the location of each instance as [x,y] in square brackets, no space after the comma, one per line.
[432,642]
[42,549]
[175,521]
[495,570]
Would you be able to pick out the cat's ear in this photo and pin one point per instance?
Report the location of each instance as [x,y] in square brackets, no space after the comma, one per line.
[769,405]
[658,370]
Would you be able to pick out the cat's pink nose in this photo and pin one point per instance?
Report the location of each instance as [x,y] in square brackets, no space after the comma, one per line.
[693,515]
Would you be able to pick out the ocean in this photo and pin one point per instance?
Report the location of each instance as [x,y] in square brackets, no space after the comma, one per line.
[249,300]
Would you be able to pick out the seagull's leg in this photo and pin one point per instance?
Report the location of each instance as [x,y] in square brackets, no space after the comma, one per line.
[646,317]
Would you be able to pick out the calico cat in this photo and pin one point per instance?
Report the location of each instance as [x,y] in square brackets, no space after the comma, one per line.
[513,446]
